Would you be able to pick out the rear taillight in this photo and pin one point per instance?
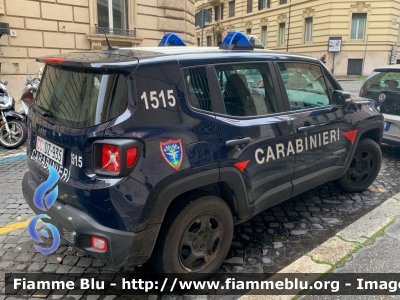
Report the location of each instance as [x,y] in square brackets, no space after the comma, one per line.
[115,157]
[131,155]
[111,158]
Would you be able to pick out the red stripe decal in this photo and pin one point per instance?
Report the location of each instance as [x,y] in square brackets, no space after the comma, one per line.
[241,166]
[351,135]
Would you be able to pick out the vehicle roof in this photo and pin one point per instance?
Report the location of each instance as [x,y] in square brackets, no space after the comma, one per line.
[127,58]
[129,54]
[389,67]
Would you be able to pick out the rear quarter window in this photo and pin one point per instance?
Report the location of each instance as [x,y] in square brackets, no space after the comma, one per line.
[79,99]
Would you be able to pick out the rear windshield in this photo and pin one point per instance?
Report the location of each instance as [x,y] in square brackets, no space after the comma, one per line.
[80,99]
[384,88]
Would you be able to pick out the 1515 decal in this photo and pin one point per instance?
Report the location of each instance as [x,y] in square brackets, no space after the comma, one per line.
[155,101]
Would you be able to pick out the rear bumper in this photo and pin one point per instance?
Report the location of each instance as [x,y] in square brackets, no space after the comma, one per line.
[76,227]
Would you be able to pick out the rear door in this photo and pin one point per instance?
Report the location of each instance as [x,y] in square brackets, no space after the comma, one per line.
[321,148]
[384,87]
[71,111]
[252,133]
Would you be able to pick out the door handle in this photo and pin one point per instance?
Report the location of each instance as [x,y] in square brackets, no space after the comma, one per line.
[233,143]
[311,127]
[306,128]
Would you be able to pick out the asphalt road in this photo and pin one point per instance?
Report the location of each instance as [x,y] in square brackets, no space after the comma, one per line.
[351,86]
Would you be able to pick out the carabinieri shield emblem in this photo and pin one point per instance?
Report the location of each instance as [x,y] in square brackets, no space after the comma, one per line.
[172,152]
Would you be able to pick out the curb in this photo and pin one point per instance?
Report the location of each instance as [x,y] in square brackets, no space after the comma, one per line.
[327,256]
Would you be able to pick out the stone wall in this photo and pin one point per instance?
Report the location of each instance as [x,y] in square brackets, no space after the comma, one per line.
[330,18]
[46,27]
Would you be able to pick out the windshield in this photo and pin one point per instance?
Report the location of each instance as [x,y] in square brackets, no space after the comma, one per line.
[80,99]
[384,88]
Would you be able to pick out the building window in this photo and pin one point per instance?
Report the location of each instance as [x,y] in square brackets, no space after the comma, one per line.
[211,13]
[264,36]
[198,42]
[112,14]
[222,11]
[358,26]
[249,6]
[232,9]
[263,4]
[282,32]
[216,13]
[209,41]
[248,31]
[282,1]
[308,30]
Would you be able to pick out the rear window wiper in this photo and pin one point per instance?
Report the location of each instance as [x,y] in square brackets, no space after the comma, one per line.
[44,112]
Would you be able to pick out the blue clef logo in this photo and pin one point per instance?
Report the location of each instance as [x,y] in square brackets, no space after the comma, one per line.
[44,202]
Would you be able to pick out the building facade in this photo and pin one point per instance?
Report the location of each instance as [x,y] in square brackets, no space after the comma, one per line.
[45,27]
[368,30]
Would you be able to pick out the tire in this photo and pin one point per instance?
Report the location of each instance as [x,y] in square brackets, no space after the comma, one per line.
[19,138]
[196,238]
[363,169]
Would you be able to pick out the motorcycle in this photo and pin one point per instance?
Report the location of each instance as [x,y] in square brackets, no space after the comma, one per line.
[29,92]
[13,131]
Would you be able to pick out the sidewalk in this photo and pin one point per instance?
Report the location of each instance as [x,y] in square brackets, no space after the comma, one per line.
[369,245]
[380,255]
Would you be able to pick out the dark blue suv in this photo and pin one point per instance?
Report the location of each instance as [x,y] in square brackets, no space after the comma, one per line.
[161,151]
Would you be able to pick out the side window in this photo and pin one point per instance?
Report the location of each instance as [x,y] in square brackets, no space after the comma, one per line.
[305,85]
[197,90]
[247,89]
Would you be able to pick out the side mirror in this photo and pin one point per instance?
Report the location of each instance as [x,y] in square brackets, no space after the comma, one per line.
[340,99]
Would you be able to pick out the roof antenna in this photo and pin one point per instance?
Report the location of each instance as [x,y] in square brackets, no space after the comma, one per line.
[110,47]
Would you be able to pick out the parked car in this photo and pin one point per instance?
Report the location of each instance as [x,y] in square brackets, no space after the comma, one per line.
[162,150]
[383,86]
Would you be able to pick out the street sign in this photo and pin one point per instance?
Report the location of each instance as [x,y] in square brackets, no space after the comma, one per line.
[335,44]
[199,18]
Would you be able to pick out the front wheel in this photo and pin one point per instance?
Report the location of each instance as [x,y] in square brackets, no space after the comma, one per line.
[364,167]
[17,136]
[196,238]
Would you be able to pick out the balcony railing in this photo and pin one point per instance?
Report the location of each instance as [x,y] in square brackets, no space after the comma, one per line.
[115,31]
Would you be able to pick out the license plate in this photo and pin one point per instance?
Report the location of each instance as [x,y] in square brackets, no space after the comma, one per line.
[387,126]
[50,150]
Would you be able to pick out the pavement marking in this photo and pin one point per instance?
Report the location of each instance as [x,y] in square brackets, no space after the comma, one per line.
[374,189]
[14,226]
[12,158]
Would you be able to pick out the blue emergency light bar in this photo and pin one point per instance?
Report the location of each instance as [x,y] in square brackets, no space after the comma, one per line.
[171,39]
[235,40]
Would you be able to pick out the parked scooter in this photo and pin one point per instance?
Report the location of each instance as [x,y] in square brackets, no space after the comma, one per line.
[29,92]
[13,131]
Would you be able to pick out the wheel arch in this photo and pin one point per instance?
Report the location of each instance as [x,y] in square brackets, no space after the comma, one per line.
[373,131]
[10,114]
[227,183]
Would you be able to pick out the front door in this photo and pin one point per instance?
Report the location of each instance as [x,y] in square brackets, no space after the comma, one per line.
[323,133]
[253,134]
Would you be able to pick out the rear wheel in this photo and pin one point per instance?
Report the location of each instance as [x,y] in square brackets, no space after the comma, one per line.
[17,135]
[196,237]
[364,167]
